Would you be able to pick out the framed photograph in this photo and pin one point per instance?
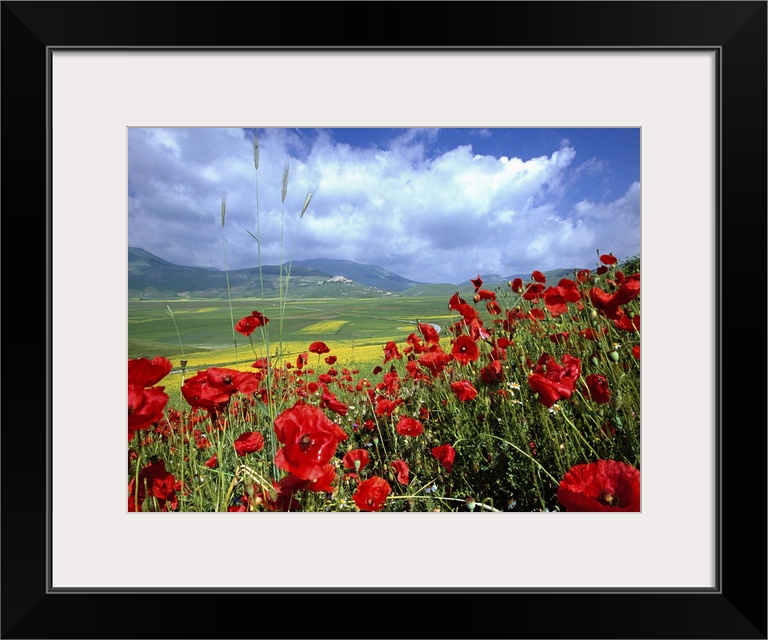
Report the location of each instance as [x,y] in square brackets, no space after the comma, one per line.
[81,79]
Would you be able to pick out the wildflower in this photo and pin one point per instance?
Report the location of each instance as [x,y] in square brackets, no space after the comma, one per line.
[408,426]
[445,454]
[391,352]
[605,485]
[356,459]
[319,348]
[553,381]
[465,350]
[463,390]
[249,442]
[145,401]
[401,468]
[310,440]
[371,494]
[597,388]
[249,324]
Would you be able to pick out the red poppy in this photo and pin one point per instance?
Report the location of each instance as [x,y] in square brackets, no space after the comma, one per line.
[198,393]
[430,333]
[465,350]
[156,482]
[330,360]
[484,294]
[292,484]
[445,454]
[553,381]
[371,494]
[435,361]
[609,304]
[605,485]
[598,390]
[250,323]
[533,292]
[516,285]
[319,348]
[538,276]
[391,352]
[330,401]
[249,442]
[356,459]
[582,275]
[477,282]
[408,426]
[145,373]
[590,334]
[456,301]
[608,259]
[492,372]
[636,351]
[145,406]
[493,307]
[626,323]
[232,381]
[310,440]
[385,406]
[401,468]
[212,462]
[463,390]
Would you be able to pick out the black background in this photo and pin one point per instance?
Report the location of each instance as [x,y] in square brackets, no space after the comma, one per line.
[736,609]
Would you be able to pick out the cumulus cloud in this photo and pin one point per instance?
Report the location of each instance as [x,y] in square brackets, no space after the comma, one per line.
[410,205]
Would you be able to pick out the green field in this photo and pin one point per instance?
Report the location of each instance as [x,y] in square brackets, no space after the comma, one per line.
[205,335]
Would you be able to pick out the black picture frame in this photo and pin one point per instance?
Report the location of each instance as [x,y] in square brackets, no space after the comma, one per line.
[735,609]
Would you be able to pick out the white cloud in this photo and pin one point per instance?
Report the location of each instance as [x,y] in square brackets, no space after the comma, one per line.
[443,219]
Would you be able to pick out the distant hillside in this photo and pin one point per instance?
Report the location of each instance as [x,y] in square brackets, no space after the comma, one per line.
[152,278]
[367,274]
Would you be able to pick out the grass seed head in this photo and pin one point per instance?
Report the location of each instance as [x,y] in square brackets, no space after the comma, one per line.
[284,192]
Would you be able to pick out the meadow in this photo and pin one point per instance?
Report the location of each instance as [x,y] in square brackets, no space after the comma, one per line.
[526,399]
[200,331]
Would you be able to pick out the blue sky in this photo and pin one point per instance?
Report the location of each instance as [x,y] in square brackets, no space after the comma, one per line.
[432,205]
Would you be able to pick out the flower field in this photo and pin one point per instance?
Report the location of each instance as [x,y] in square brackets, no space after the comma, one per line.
[527,400]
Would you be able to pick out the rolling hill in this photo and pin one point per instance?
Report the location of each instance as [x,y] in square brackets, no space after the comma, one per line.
[153,278]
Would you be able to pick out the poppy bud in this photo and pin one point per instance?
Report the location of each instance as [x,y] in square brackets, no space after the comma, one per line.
[470,503]
[594,361]
[614,355]
[617,399]
[357,465]
[183,364]
[593,314]
[376,440]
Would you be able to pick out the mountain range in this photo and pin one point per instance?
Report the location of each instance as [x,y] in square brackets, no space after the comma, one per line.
[153,278]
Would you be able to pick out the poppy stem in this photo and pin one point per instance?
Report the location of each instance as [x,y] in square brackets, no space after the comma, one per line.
[514,446]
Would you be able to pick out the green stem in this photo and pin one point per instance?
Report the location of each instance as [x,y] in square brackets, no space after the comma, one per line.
[527,455]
